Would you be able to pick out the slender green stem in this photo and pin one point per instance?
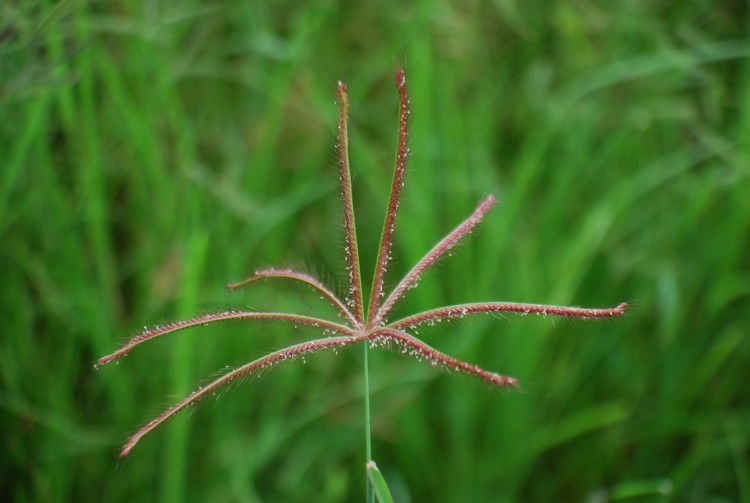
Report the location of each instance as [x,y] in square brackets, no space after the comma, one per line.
[368,440]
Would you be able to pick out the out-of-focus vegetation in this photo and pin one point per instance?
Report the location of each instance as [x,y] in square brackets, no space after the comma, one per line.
[151,152]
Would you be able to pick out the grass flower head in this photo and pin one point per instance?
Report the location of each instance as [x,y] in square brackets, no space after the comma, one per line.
[361,319]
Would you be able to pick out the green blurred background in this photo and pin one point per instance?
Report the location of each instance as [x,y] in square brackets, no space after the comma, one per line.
[151,152]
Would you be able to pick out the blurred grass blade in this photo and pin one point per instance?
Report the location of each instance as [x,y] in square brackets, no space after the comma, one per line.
[382,493]
[639,488]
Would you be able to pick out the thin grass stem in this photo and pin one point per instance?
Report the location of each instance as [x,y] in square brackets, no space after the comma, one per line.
[370,496]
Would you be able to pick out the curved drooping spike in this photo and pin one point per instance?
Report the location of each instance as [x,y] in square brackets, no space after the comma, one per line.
[461,310]
[435,357]
[433,255]
[313,282]
[386,237]
[248,369]
[159,330]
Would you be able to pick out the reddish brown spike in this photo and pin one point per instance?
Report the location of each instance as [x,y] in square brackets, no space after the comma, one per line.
[159,330]
[433,255]
[461,310]
[435,357]
[345,177]
[251,368]
[307,279]
[386,237]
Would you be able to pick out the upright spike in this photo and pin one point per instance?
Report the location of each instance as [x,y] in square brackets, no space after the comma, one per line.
[386,237]
[352,251]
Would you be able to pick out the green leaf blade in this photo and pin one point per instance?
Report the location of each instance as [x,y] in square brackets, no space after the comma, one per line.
[382,493]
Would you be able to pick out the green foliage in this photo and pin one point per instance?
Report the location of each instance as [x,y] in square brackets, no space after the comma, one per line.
[378,483]
[153,152]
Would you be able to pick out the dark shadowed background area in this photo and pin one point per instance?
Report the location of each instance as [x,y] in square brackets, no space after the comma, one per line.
[151,152]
